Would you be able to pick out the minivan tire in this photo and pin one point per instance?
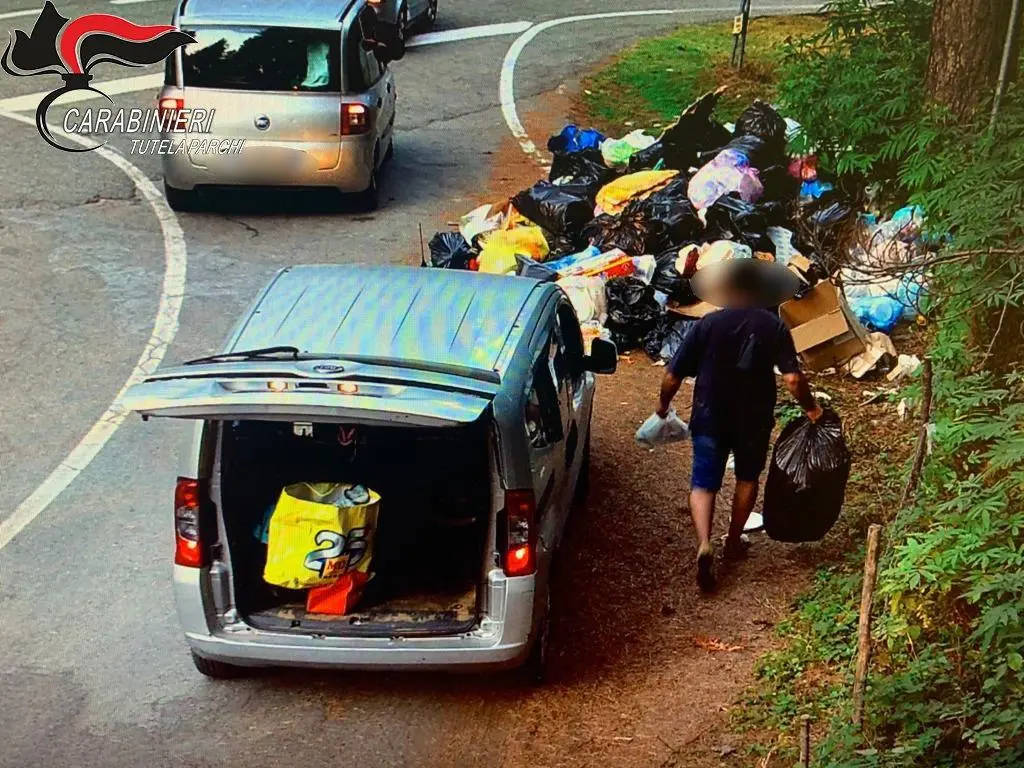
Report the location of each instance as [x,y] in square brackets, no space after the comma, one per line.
[429,17]
[181,200]
[217,670]
[535,669]
[369,198]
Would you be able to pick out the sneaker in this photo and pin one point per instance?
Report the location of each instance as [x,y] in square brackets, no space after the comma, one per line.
[706,569]
[735,550]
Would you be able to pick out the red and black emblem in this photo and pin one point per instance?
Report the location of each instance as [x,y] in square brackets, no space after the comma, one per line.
[70,48]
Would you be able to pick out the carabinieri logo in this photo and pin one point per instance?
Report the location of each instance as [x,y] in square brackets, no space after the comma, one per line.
[59,46]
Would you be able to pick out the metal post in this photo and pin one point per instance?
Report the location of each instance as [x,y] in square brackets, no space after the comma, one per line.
[743,33]
[805,741]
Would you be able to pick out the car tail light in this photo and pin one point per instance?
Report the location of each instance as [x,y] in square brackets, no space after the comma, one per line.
[521,537]
[188,548]
[355,119]
[171,106]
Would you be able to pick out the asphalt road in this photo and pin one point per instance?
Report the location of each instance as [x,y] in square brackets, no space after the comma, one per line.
[92,667]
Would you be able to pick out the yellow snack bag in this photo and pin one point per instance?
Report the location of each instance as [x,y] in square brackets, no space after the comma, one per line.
[319,532]
[617,194]
[498,254]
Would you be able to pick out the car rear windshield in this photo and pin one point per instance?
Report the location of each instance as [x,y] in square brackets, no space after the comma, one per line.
[263,59]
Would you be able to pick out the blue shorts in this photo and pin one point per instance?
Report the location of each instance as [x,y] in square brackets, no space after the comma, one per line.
[711,453]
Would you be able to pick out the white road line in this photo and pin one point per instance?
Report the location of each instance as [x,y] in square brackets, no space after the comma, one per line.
[130,2]
[454,35]
[29,101]
[16,14]
[165,326]
[506,84]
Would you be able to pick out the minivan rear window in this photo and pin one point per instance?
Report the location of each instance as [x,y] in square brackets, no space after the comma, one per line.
[263,59]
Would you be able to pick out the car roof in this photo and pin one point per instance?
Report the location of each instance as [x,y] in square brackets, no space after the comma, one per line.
[455,321]
[293,13]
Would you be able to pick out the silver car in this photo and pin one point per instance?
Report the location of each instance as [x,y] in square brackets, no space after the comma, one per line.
[463,399]
[408,15]
[306,85]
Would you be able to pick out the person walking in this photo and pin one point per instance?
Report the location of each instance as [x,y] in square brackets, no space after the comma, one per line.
[733,353]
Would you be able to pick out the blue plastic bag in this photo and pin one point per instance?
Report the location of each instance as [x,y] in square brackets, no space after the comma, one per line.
[878,313]
[574,139]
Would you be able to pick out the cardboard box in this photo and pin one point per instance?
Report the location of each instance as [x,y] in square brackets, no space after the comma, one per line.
[825,332]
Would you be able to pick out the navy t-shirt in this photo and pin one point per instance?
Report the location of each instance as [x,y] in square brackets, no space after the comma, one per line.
[733,353]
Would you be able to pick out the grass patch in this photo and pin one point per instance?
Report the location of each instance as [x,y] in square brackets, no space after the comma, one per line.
[650,83]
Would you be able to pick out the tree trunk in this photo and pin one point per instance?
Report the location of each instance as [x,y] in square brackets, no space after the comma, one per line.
[967,47]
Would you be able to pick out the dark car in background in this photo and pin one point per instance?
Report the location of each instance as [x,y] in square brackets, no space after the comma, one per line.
[409,15]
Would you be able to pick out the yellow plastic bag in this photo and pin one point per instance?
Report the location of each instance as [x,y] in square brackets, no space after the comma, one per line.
[315,539]
[498,255]
[617,194]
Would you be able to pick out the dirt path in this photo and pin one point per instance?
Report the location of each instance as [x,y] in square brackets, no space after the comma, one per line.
[643,667]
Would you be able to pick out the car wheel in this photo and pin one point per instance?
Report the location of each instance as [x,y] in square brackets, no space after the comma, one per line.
[535,669]
[403,24]
[430,17]
[390,154]
[217,670]
[180,200]
[369,198]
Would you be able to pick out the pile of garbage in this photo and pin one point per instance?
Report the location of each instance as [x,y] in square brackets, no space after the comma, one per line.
[623,225]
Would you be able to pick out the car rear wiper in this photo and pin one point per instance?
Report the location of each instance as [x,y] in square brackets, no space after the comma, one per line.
[247,354]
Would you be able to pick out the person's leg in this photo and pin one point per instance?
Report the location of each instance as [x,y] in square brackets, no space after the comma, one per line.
[708,469]
[751,454]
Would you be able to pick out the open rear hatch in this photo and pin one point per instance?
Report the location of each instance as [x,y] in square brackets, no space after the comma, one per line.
[424,447]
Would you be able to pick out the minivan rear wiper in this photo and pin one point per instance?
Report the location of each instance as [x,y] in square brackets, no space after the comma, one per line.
[247,354]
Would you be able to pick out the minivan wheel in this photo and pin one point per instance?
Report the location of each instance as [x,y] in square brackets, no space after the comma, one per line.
[180,199]
[431,15]
[403,24]
[217,670]
[535,670]
[369,198]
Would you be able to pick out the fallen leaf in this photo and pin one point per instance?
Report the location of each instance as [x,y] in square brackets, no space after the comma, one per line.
[714,644]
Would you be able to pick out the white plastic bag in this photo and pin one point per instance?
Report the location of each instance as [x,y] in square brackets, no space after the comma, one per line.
[658,431]
[587,296]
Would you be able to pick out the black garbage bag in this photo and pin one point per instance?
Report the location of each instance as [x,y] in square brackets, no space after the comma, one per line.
[825,228]
[627,232]
[807,479]
[554,209]
[730,218]
[779,185]
[693,133]
[632,310]
[663,340]
[669,217]
[646,159]
[585,167]
[667,280]
[449,250]
[527,267]
[761,120]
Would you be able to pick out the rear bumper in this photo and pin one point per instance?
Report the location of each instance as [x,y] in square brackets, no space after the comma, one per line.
[351,171]
[501,640]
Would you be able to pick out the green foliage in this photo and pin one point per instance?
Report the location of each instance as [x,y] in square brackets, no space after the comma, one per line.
[947,684]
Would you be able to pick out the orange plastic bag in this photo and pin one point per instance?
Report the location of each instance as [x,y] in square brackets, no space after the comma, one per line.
[338,598]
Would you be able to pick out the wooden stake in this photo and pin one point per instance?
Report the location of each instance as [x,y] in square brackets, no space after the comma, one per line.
[423,256]
[805,741]
[864,627]
[922,438]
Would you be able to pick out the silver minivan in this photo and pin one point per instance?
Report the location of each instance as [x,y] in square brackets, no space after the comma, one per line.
[306,85]
[463,399]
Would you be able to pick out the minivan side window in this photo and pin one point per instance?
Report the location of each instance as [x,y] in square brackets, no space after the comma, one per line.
[543,415]
[362,69]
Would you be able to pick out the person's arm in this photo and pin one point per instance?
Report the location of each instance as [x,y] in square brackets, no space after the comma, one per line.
[793,378]
[683,364]
[798,387]
[669,386]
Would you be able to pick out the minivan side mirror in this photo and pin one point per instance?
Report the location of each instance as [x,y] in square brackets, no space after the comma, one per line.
[603,357]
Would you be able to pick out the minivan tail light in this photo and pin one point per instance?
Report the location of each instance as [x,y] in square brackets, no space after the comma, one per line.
[521,537]
[355,119]
[188,546]
[171,106]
